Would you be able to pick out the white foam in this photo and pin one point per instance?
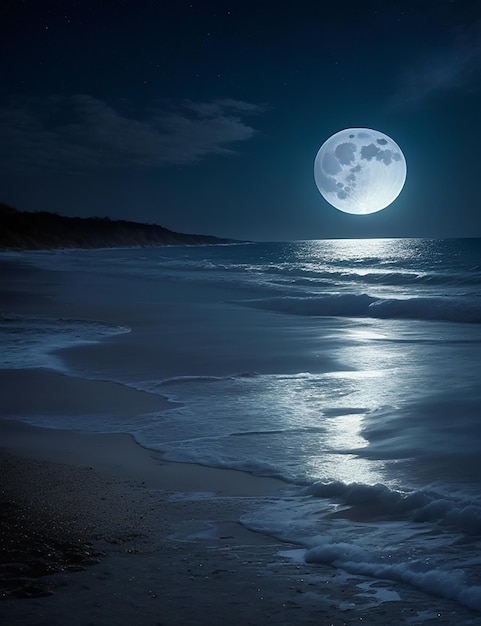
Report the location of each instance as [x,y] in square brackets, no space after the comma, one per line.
[337,400]
[445,583]
[30,341]
[452,309]
[424,505]
[386,544]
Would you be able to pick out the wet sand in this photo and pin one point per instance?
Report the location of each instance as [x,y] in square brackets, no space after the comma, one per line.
[96,530]
[111,533]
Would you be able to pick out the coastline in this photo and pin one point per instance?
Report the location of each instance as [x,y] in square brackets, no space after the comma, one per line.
[113,534]
[116,500]
[162,541]
[110,529]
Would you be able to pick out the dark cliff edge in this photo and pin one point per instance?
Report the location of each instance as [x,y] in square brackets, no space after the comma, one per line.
[23,230]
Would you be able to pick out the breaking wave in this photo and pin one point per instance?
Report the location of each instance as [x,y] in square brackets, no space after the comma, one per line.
[355,560]
[467,310]
[460,516]
[418,506]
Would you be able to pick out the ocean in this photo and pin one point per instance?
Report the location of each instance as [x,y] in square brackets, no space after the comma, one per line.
[350,369]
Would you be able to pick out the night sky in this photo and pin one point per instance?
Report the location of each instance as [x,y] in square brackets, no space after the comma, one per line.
[206,116]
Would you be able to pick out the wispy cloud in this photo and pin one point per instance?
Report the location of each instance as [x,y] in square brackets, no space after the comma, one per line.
[76,133]
[456,66]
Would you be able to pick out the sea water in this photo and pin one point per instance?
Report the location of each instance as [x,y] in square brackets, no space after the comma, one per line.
[348,368]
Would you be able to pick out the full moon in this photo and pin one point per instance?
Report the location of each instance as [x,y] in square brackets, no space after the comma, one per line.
[360,171]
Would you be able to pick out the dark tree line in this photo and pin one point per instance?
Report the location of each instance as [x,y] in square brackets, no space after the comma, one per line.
[22,230]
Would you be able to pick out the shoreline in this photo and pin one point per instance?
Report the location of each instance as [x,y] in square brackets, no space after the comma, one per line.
[160,542]
[118,533]
[127,510]
[113,534]
[117,502]
[121,457]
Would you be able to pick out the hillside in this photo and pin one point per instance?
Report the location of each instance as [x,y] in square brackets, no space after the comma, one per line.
[22,230]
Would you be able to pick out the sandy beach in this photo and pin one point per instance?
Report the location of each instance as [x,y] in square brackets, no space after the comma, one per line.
[112,534]
[121,507]
[97,530]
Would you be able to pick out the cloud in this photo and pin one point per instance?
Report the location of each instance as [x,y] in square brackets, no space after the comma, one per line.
[455,66]
[77,133]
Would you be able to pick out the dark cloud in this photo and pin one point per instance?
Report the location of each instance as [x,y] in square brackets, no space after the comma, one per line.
[76,133]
